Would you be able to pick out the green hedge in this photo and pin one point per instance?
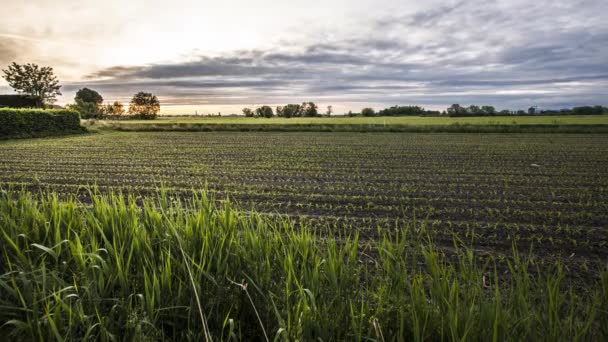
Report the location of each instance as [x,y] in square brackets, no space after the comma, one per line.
[37,122]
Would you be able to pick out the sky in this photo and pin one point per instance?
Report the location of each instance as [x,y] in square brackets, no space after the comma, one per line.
[202,56]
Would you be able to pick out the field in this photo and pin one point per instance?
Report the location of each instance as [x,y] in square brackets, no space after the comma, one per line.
[397,236]
[390,120]
[410,124]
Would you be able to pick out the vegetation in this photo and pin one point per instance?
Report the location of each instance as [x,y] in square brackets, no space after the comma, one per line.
[368,112]
[114,110]
[264,112]
[346,237]
[530,124]
[473,110]
[30,79]
[23,123]
[144,106]
[407,111]
[289,111]
[88,103]
[171,269]
[248,112]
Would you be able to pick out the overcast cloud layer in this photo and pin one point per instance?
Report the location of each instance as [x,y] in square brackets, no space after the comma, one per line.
[511,54]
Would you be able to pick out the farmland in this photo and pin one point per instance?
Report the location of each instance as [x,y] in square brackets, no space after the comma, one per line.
[409,124]
[388,120]
[476,210]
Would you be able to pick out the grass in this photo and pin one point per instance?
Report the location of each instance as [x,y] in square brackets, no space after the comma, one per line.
[388,120]
[128,268]
[515,124]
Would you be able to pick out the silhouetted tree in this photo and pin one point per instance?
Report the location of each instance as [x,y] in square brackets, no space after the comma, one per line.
[144,105]
[248,112]
[291,110]
[309,109]
[588,110]
[488,110]
[457,110]
[264,111]
[368,112]
[30,79]
[330,110]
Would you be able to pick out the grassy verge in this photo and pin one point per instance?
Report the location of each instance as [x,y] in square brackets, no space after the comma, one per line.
[449,128]
[163,268]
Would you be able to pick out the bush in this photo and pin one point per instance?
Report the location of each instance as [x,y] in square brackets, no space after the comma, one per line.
[37,122]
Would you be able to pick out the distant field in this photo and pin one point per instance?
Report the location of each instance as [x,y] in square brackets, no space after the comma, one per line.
[401,120]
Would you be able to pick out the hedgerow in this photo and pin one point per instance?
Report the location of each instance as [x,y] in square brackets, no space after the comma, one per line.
[37,122]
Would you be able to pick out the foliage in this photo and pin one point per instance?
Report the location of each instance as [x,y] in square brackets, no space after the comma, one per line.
[589,110]
[309,109]
[87,110]
[402,110]
[19,101]
[88,95]
[115,109]
[33,80]
[132,267]
[248,112]
[144,105]
[37,122]
[264,112]
[290,111]
[368,112]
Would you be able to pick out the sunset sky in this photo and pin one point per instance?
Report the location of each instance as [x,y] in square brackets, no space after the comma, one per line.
[211,56]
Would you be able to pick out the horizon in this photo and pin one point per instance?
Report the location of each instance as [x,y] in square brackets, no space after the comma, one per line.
[211,58]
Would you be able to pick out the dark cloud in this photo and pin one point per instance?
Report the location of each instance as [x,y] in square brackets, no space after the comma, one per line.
[463,52]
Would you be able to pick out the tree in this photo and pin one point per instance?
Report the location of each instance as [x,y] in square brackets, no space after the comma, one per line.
[144,105]
[30,79]
[115,109]
[309,109]
[488,110]
[88,103]
[264,111]
[329,111]
[88,95]
[457,110]
[368,112]
[474,110]
[290,111]
[248,112]
[402,110]
[588,110]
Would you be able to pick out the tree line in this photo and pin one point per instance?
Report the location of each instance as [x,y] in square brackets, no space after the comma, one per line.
[39,87]
[89,103]
[306,109]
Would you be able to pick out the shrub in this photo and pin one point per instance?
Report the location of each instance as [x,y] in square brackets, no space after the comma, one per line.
[36,122]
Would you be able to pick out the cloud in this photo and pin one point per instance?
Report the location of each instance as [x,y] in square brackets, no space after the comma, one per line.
[506,53]
[10,49]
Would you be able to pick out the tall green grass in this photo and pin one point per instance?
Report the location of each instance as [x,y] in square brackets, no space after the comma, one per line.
[165,268]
